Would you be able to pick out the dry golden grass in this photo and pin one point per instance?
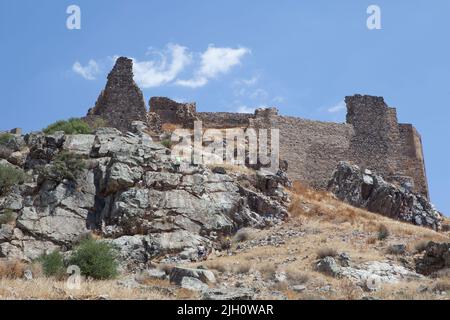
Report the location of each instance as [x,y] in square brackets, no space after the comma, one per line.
[170,127]
[12,269]
[323,206]
[49,289]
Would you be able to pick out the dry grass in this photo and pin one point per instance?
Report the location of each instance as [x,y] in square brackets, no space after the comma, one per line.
[296,277]
[242,235]
[326,252]
[170,127]
[267,270]
[12,269]
[442,285]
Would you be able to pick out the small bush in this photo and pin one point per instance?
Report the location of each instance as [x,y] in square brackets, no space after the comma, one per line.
[65,166]
[71,126]
[10,176]
[12,269]
[5,139]
[267,270]
[297,277]
[167,143]
[52,264]
[7,217]
[326,252]
[242,235]
[383,232]
[95,259]
[98,123]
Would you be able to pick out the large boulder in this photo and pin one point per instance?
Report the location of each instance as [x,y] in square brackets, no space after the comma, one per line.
[178,273]
[435,258]
[365,189]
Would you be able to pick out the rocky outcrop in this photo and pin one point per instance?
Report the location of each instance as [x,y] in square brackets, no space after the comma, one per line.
[131,192]
[365,189]
[121,102]
[435,258]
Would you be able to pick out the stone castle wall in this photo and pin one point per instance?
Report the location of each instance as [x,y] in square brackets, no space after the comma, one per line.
[371,137]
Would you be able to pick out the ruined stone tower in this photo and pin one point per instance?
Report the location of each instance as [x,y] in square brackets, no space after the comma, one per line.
[371,138]
[121,102]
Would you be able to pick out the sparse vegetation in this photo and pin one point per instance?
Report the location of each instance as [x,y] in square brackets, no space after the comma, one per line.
[8,216]
[65,166]
[11,269]
[71,126]
[52,264]
[383,232]
[326,252]
[5,139]
[10,176]
[167,143]
[442,286]
[297,277]
[98,123]
[242,235]
[169,127]
[96,259]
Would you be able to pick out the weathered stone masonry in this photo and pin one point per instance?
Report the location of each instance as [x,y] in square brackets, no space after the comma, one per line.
[370,138]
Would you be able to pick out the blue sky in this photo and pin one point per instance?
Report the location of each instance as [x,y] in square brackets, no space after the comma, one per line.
[301,56]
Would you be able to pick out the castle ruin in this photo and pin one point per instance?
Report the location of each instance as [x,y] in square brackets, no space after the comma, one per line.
[371,138]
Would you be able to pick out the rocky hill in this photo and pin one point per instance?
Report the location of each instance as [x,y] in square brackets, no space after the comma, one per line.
[171,221]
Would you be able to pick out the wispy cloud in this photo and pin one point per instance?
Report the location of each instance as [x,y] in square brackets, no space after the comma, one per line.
[214,62]
[337,108]
[245,109]
[166,66]
[89,72]
[165,69]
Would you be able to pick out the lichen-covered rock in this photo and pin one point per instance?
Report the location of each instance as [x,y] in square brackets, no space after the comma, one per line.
[365,189]
[132,193]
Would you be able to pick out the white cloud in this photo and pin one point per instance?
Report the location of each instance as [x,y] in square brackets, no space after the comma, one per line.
[245,109]
[155,73]
[89,72]
[193,83]
[166,66]
[213,62]
[259,94]
[337,108]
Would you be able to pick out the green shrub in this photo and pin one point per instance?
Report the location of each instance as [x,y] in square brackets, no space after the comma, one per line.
[71,126]
[98,123]
[95,259]
[383,232]
[52,264]
[66,165]
[8,216]
[167,143]
[10,176]
[5,139]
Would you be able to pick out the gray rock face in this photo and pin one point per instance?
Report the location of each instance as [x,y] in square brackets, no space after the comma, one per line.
[328,266]
[371,275]
[193,284]
[364,189]
[178,274]
[133,194]
[435,258]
